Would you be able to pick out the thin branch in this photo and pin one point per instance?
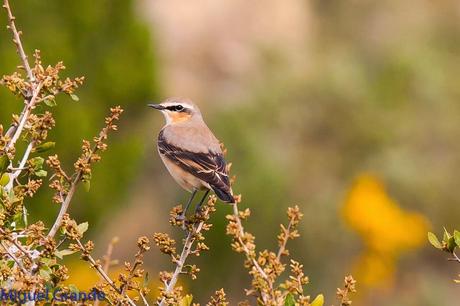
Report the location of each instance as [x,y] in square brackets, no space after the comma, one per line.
[13,241]
[101,272]
[107,258]
[17,41]
[241,229]
[65,205]
[143,299]
[25,115]
[282,248]
[23,162]
[189,240]
[108,254]
[247,252]
[14,258]
[99,145]
[25,63]
[455,258]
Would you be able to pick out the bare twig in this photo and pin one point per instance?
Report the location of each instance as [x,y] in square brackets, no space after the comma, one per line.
[18,171]
[189,240]
[17,41]
[144,300]
[106,259]
[455,258]
[65,205]
[102,273]
[13,241]
[241,229]
[247,252]
[25,63]
[16,260]
[283,244]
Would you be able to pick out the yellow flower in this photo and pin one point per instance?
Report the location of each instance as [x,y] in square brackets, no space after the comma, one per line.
[386,229]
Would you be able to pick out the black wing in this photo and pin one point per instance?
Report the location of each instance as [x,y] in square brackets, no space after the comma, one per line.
[208,167]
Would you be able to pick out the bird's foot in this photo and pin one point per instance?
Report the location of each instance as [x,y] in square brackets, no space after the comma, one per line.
[181,219]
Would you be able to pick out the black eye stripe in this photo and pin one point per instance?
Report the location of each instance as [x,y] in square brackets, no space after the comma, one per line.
[175,108]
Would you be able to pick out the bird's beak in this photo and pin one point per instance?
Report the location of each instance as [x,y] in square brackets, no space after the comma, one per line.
[156,106]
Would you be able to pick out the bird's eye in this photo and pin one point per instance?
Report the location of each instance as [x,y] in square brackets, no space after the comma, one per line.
[178,108]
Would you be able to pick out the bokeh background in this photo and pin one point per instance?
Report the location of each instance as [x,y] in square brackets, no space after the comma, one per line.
[349,109]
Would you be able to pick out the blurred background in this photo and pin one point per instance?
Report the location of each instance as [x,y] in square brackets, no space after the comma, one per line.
[349,109]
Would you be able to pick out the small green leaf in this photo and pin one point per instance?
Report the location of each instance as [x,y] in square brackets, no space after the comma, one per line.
[186,300]
[74,97]
[37,162]
[289,300]
[457,237]
[318,301]
[73,288]
[434,240]
[51,102]
[82,227]
[4,179]
[45,147]
[4,161]
[61,253]
[41,173]
[445,236]
[451,245]
[45,272]
[47,261]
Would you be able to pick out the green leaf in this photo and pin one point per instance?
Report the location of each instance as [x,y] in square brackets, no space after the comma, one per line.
[45,272]
[45,147]
[83,227]
[4,179]
[445,236]
[37,162]
[61,253]
[73,288]
[451,245]
[457,237]
[186,300]
[434,240]
[41,173]
[47,261]
[289,300]
[4,161]
[51,102]
[74,97]
[318,301]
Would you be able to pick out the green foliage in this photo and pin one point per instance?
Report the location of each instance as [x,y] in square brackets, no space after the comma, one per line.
[449,243]
[106,42]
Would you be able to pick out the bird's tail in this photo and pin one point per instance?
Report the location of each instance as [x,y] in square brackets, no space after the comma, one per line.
[225,195]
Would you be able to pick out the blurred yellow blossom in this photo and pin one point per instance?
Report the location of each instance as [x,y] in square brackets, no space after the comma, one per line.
[386,229]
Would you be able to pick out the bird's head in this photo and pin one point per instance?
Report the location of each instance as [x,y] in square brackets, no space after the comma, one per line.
[177,110]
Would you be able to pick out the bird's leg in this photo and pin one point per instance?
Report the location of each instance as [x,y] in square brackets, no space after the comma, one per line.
[201,202]
[182,216]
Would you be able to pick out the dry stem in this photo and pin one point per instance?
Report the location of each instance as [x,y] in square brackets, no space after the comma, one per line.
[17,41]
[65,205]
[102,273]
[189,240]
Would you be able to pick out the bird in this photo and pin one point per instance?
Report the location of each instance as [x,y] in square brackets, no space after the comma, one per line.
[190,151]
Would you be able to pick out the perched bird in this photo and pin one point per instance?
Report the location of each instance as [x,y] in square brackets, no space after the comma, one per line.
[191,152]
